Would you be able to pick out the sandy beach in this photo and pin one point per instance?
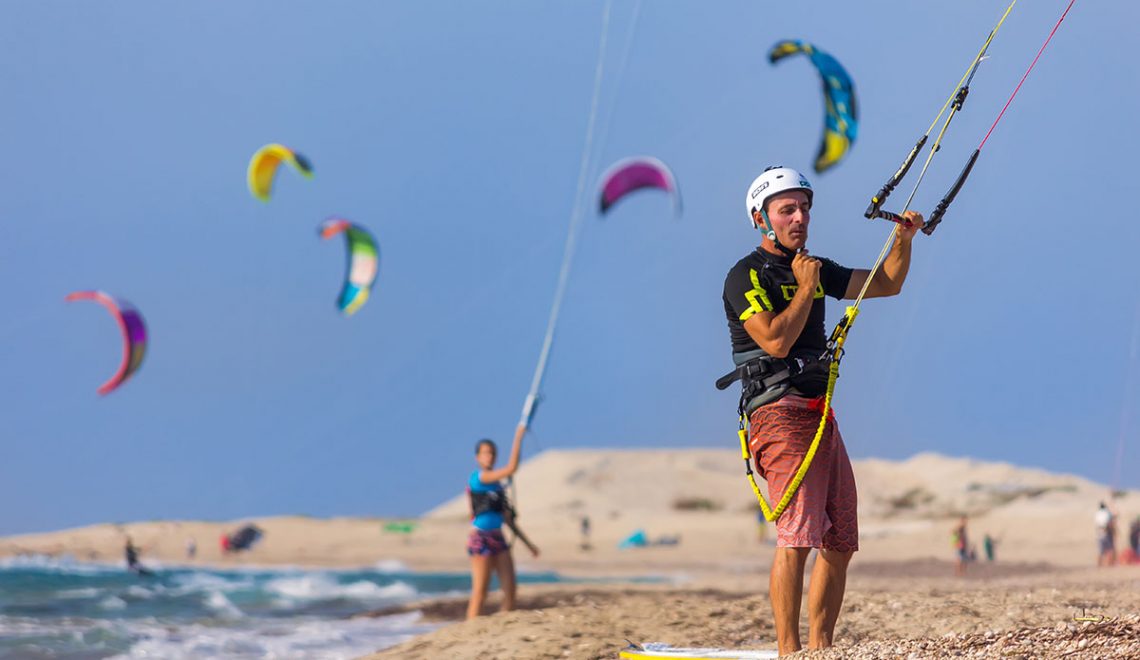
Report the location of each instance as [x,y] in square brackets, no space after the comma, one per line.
[888,613]
[710,588]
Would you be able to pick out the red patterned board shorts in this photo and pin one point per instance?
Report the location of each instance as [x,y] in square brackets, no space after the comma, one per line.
[823,512]
[487,543]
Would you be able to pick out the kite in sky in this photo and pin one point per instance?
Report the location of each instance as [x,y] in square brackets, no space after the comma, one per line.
[841,121]
[363,262]
[631,174]
[263,168]
[134,334]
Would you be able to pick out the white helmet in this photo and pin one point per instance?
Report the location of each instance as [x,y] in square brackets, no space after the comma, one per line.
[773,181]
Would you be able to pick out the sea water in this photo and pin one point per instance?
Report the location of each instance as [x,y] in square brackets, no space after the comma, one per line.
[57,608]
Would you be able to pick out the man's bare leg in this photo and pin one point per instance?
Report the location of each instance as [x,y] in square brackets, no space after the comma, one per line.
[786,588]
[825,597]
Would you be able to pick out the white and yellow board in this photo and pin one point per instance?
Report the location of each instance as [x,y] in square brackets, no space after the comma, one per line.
[666,652]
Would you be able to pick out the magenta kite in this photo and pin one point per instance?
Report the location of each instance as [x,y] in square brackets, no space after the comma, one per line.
[134,334]
[633,174]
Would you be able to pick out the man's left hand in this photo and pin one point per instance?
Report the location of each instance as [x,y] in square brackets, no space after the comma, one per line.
[907,231]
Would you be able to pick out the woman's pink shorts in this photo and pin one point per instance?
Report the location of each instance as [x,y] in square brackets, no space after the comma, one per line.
[486,543]
[824,511]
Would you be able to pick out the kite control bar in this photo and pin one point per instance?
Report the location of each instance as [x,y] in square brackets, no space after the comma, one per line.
[893,217]
[954,104]
[940,210]
[876,204]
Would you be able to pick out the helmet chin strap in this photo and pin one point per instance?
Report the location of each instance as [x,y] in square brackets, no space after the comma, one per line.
[771,234]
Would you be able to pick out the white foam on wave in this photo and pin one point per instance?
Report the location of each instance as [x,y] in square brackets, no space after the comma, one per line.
[112,603]
[245,638]
[318,586]
[62,564]
[218,602]
[285,638]
[12,627]
[204,581]
[143,593]
[390,566]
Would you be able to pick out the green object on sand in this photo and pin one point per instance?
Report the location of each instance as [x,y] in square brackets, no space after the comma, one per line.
[400,527]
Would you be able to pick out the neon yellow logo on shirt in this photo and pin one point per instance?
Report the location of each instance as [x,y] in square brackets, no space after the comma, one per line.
[757,298]
[789,290]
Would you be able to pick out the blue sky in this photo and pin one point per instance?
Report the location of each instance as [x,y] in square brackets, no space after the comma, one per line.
[454,131]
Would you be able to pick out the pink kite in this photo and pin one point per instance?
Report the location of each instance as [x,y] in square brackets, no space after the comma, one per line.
[632,174]
[134,334]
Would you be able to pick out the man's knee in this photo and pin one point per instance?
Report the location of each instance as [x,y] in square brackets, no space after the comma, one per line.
[798,555]
[836,558]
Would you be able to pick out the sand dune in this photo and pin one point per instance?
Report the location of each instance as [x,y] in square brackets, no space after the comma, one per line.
[906,511]
[927,486]
[906,508]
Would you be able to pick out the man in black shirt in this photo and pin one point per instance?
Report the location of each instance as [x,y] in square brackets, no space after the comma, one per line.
[774,302]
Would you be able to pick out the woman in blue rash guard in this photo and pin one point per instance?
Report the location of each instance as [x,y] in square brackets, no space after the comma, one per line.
[490,510]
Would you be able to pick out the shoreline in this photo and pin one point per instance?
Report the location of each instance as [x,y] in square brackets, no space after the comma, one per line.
[914,604]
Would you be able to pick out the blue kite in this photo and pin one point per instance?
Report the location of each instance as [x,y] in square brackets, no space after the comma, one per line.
[841,122]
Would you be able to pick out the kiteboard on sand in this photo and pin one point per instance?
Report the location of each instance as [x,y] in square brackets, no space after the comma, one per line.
[655,651]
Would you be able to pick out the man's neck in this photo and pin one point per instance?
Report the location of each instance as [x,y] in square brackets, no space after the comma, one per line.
[769,246]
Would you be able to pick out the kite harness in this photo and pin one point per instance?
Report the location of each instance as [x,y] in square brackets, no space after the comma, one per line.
[489,501]
[765,379]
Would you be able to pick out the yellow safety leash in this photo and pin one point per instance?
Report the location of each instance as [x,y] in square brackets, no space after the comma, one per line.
[836,353]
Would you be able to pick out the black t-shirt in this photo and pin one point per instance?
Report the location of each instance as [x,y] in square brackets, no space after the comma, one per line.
[763,282]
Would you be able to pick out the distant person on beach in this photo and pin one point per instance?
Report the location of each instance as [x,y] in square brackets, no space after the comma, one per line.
[132,555]
[960,539]
[490,510]
[191,548]
[774,303]
[988,544]
[1134,537]
[585,533]
[1106,535]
